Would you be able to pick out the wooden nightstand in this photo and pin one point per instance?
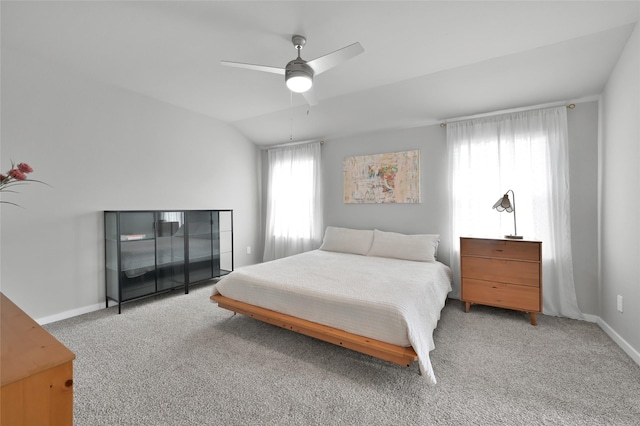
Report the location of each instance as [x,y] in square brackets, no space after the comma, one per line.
[502,272]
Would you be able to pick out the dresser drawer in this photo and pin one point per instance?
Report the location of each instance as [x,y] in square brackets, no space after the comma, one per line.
[500,248]
[503,295]
[501,270]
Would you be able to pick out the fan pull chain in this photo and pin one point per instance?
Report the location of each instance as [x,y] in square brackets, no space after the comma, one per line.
[291,116]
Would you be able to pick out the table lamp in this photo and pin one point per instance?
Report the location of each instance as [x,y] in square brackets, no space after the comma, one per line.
[505,204]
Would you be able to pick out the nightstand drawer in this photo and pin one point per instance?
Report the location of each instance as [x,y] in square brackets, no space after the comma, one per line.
[512,296]
[500,248]
[500,270]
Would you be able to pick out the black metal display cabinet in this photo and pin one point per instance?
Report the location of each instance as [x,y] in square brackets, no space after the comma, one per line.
[155,251]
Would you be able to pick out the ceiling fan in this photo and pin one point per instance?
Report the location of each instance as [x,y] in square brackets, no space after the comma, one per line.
[298,73]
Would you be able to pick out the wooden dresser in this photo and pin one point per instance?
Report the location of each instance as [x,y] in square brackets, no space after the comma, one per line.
[36,372]
[502,272]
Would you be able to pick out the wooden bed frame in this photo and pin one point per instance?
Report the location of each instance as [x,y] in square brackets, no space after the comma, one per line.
[400,355]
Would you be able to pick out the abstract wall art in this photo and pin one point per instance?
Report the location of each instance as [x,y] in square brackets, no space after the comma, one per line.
[392,177]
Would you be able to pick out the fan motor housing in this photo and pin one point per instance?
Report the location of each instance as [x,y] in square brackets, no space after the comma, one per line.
[297,67]
[298,76]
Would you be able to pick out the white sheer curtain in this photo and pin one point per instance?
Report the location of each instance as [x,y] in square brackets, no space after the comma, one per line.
[294,201]
[528,153]
[172,217]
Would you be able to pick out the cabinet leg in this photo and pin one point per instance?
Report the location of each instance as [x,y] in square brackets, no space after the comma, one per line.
[534,318]
[467,306]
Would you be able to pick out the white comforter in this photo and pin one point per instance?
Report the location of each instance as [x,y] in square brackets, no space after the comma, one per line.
[395,301]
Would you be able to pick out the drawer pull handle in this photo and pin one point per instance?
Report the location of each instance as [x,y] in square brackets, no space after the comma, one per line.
[500,250]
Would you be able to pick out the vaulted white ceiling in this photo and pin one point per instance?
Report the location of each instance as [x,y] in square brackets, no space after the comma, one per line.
[424,62]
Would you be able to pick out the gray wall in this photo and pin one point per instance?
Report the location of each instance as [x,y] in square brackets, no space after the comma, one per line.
[583,181]
[620,198]
[432,214]
[102,148]
[429,217]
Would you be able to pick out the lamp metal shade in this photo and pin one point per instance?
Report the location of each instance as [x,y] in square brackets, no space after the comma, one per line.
[503,204]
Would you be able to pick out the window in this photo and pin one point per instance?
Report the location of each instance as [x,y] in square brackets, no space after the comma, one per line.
[526,152]
[294,205]
[293,197]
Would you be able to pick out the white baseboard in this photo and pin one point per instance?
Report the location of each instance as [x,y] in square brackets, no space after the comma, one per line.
[69,314]
[591,318]
[629,350]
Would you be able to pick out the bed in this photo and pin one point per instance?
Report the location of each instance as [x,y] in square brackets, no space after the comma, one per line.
[380,293]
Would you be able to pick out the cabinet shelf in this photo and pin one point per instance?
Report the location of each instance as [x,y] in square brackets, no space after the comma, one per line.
[152,252]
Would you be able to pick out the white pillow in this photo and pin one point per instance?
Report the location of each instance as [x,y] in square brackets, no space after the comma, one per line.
[345,240]
[420,247]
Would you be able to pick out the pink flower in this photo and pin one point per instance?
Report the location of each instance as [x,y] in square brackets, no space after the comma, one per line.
[17,174]
[25,168]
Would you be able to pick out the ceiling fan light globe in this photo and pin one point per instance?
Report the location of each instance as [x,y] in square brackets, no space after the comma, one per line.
[298,76]
[299,83]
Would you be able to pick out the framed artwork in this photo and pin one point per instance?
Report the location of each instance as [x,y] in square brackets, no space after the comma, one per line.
[382,178]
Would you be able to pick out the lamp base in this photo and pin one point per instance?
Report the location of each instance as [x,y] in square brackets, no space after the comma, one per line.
[514,237]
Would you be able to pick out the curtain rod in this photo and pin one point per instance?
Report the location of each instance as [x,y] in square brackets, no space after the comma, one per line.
[453,120]
[282,145]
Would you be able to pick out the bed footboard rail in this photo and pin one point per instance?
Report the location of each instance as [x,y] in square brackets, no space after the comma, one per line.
[400,355]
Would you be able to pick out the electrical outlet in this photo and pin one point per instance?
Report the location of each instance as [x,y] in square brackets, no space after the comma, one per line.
[619,303]
[248,249]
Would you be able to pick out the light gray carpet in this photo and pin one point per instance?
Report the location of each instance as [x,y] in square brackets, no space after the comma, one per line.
[180,360]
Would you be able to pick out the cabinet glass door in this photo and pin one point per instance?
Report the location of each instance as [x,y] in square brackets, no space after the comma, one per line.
[137,254]
[111,254]
[200,245]
[170,250]
[225,242]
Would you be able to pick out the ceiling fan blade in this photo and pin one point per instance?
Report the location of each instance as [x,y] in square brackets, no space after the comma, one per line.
[274,70]
[333,59]
[310,97]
